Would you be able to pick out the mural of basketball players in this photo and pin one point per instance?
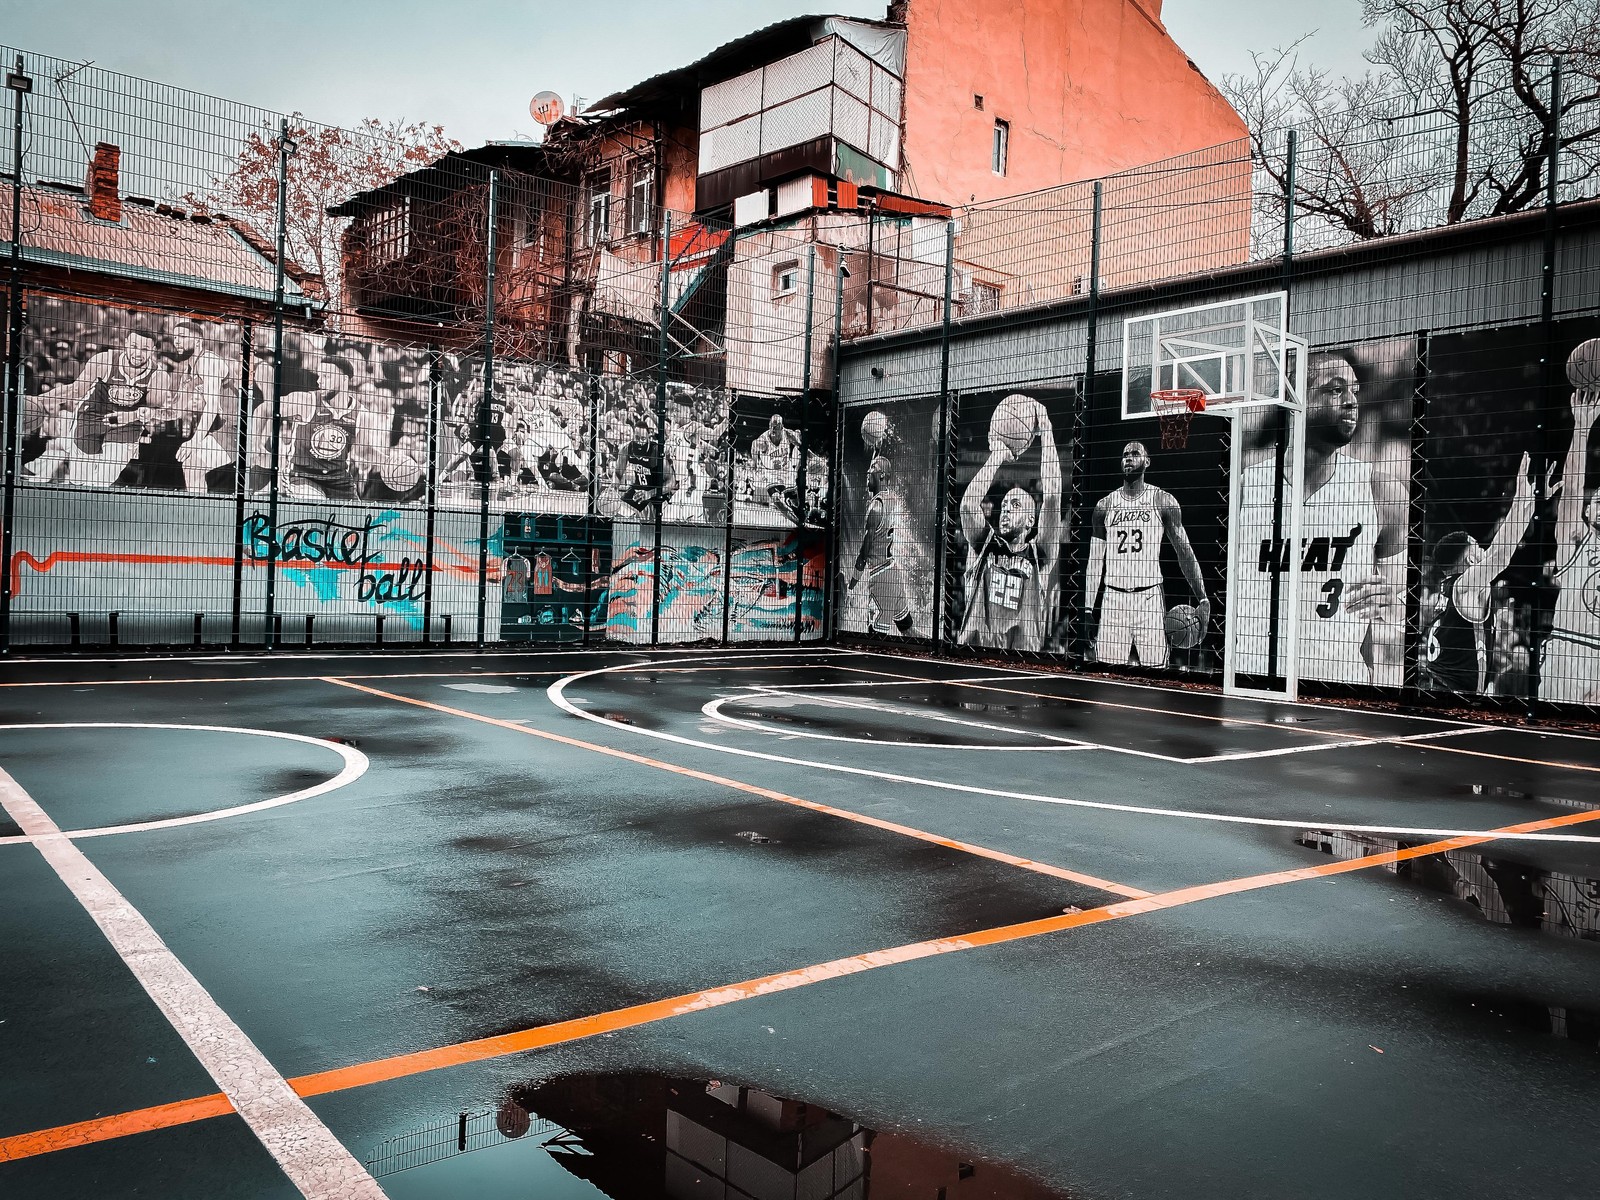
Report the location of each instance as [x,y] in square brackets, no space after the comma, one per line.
[318,435]
[118,396]
[640,486]
[1125,591]
[1351,563]
[1569,661]
[200,377]
[1011,566]
[889,608]
[775,454]
[1456,645]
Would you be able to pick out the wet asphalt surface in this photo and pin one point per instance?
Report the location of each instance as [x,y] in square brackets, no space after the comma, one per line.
[1353,1035]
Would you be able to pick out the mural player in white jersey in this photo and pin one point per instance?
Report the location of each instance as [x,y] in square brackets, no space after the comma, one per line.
[1569,663]
[1351,558]
[1124,584]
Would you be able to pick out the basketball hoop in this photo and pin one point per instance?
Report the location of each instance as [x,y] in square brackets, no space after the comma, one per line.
[1175,408]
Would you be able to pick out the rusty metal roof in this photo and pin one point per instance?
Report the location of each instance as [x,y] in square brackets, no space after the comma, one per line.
[153,243]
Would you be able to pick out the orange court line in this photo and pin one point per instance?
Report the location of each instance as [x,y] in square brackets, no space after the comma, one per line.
[400,1066]
[1027,864]
[105,1129]
[1530,762]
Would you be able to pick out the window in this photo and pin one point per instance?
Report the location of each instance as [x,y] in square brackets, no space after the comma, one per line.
[529,231]
[977,102]
[389,233]
[985,298]
[641,196]
[1002,145]
[785,279]
[598,229]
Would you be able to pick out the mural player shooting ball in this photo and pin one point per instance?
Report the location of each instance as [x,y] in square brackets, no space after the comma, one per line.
[888,593]
[1124,584]
[1457,646]
[1010,575]
[1569,664]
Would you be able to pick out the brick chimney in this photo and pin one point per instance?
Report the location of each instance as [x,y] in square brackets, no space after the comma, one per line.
[102,184]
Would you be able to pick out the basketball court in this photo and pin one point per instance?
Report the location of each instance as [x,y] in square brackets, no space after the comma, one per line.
[338,926]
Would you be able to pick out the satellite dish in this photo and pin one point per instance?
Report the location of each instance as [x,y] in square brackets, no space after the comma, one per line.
[546,108]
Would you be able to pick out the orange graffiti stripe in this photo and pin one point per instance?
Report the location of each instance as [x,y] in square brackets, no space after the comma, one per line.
[42,566]
[165,1116]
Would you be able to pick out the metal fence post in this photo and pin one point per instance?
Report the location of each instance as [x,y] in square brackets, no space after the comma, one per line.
[241,480]
[431,494]
[836,408]
[942,482]
[1288,203]
[20,86]
[800,478]
[485,408]
[658,458]
[269,611]
[1549,374]
[1282,420]
[727,528]
[593,389]
[1083,426]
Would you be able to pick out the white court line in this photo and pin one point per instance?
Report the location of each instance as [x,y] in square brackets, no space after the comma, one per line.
[355,766]
[1430,736]
[810,656]
[1166,712]
[1077,743]
[866,683]
[713,709]
[344,656]
[315,1161]
[556,694]
[1070,677]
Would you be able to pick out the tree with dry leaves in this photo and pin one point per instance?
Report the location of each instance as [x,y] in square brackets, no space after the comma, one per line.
[1456,119]
[327,166]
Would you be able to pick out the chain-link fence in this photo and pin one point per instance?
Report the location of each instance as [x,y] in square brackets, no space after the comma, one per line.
[275,382]
[272,381]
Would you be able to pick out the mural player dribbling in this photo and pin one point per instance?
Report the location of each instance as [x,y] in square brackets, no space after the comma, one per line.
[1011,570]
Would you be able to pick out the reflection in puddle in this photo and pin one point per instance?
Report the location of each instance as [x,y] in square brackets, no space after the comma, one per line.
[638,1136]
[1505,892]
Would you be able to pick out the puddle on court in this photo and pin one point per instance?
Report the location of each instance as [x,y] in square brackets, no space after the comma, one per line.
[1504,891]
[629,1136]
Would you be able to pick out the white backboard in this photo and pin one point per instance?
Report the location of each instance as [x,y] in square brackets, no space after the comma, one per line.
[1240,353]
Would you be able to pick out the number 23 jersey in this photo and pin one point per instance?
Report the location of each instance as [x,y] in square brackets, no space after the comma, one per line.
[1338,542]
[1133,532]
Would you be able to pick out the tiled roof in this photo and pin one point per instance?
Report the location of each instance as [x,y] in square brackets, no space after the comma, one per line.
[157,244]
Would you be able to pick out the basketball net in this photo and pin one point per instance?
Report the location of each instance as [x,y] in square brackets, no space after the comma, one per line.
[1175,408]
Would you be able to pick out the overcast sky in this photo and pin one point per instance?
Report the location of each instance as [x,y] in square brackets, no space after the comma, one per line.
[472,65]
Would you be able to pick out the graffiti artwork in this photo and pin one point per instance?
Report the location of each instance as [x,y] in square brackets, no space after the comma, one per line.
[326,542]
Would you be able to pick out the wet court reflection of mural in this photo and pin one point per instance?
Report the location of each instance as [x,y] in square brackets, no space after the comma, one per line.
[635,1137]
